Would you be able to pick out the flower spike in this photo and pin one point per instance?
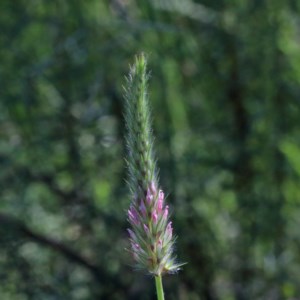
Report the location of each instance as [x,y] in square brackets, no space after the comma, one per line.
[151,233]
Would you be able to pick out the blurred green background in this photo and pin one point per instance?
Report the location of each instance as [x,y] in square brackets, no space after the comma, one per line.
[225,97]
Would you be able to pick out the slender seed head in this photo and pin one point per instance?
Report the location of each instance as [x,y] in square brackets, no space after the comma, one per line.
[151,233]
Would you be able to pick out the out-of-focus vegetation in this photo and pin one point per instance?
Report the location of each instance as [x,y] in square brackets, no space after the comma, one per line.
[225,93]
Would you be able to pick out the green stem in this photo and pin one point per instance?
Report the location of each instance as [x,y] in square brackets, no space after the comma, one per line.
[159,288]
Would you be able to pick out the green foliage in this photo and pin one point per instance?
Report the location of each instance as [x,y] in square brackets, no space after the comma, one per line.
[225,89]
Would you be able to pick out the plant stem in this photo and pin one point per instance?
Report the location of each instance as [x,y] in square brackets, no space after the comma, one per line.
[159,288]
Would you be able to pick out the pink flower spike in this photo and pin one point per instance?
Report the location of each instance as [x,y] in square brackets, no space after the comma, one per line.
[150,239]
[143,209]
[154,216]
[166,212]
